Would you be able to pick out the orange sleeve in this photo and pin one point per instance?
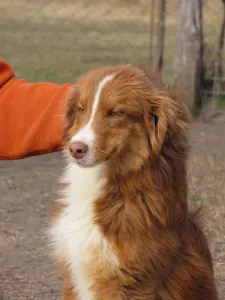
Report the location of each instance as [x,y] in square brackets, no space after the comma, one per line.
[31,120]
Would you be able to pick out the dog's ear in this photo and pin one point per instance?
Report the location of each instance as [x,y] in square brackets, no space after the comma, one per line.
[156,124]
[164,116]
[70,111]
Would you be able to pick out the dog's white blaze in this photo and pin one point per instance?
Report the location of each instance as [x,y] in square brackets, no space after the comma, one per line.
[75,235]
[86,134]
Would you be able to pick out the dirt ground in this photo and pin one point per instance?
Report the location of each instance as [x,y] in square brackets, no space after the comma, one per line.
[26,187]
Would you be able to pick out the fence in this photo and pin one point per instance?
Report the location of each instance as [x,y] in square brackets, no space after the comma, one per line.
[213,14]
[214,76]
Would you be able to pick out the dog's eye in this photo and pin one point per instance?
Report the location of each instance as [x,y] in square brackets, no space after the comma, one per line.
[80,108]
[114,113]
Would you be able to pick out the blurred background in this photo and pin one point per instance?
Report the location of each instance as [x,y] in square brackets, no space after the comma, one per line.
[57,41]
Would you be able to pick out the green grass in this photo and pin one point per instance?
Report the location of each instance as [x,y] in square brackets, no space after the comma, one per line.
[199,198]
[44,47]
[59,40]
[195,198]
[221,101]
[60,54]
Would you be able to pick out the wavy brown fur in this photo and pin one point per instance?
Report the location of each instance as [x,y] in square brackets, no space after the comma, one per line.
[143,211]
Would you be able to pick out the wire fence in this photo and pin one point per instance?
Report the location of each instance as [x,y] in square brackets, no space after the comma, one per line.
[213,14]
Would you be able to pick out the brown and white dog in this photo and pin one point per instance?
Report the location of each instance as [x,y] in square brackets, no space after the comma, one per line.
[122,228]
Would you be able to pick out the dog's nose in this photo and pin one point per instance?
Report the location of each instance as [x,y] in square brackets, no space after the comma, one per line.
[78,149]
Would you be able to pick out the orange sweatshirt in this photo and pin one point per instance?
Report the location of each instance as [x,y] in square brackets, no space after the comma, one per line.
[31,120]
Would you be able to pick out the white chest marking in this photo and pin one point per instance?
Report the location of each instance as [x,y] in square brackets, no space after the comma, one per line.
[75,235]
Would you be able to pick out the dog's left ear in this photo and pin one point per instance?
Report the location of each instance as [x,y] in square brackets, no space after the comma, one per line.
[164,116]
[156,124]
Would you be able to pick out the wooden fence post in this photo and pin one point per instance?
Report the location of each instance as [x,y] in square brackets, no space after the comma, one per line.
[189,52]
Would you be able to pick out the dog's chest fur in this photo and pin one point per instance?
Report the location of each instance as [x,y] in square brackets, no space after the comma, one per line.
[75,236]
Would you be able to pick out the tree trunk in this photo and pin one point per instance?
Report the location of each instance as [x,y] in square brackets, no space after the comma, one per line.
[189,54]
[158,65]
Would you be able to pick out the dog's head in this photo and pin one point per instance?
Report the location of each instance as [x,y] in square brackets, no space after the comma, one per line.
[118,115]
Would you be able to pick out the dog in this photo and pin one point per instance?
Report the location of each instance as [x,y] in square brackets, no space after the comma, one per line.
[121,228]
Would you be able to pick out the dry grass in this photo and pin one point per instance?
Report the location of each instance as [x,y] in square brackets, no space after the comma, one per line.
[58,40]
